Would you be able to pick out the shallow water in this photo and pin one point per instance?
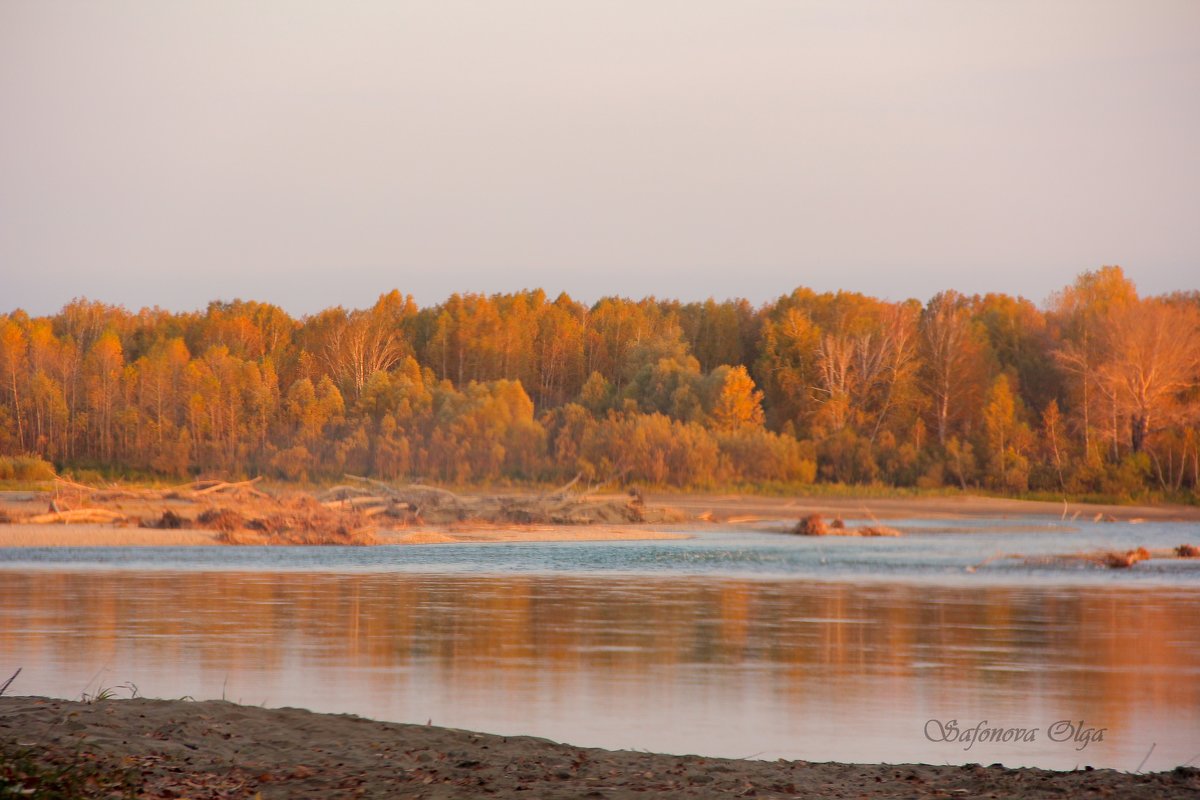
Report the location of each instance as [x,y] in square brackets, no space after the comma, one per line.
[923,557]
[729,644]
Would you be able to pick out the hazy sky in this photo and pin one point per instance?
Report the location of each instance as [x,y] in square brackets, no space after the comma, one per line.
[314,154]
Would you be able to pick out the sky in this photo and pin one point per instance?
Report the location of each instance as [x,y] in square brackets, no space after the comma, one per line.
[316,154]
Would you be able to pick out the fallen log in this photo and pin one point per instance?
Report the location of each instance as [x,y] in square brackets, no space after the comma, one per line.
[1108,559]
[79,487]
[1126,559]
[224,486]
[875,530]
[561,491]
[342,492]
[79,515]
[406,492]
[374,511]
[357,502]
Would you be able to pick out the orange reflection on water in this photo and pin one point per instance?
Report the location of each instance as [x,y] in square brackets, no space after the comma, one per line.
[726,667]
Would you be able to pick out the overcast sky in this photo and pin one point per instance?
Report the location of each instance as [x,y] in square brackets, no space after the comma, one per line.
[314,154]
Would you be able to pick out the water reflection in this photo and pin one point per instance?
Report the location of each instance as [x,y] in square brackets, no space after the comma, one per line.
[820,671]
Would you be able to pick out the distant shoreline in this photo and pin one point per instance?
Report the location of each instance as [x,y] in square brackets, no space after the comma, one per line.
[699,511]
[97,535]
[215,748]
[932,507]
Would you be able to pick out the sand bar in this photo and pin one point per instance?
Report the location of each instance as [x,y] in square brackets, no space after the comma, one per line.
[123,536]
[724,507]
[700,511]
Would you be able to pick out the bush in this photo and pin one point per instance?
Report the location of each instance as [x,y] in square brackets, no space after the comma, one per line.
[1128,478]
[756,455]
[26,468]
[292,464]
[846,457]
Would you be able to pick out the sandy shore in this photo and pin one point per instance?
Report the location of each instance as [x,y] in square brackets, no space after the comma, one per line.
[23,535]
[739,507]
[216,749]
[122,536]
[700,510]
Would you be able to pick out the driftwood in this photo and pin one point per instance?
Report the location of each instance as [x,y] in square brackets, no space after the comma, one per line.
[875,530]
[814,525]
[561,491]
[356,502]
[224,486]
[334,495]
[344,514]
[70,484]
[403,492]
[107,495]
[300,520]
[1108,559]
[168,521]
[79,515]
[1126,559]
[432,505]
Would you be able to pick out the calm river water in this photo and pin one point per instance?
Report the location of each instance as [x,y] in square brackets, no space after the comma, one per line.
[732,644]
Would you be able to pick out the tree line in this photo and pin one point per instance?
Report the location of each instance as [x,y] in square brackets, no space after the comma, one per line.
[1096,392]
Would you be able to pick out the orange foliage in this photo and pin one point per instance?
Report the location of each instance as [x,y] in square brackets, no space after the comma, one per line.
[1097,393]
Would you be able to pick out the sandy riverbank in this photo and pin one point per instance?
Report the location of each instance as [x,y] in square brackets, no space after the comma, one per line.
[695,510]
[218,749]
[734,507]
[120,536]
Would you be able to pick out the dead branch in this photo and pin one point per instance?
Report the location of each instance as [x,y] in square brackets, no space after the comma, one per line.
[79,487]
[7,683]
[561,491]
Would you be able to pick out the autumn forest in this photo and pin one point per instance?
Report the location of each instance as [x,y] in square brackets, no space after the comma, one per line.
[1096,393]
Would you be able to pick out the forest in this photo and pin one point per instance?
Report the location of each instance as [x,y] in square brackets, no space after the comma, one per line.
[1095,393]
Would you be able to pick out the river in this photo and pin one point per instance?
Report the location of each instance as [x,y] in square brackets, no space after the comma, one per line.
[730,644]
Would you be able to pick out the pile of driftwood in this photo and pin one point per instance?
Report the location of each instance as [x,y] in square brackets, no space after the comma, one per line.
[240,513]
[73,502]
[347,514]
[814,525]
[1108,559]
[298,520]
[244,515]
[427,505]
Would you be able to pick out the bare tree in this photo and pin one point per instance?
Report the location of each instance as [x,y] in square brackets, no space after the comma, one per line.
[1154,348]
[946,335]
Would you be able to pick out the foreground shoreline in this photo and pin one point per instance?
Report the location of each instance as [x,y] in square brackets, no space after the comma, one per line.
[172,748]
